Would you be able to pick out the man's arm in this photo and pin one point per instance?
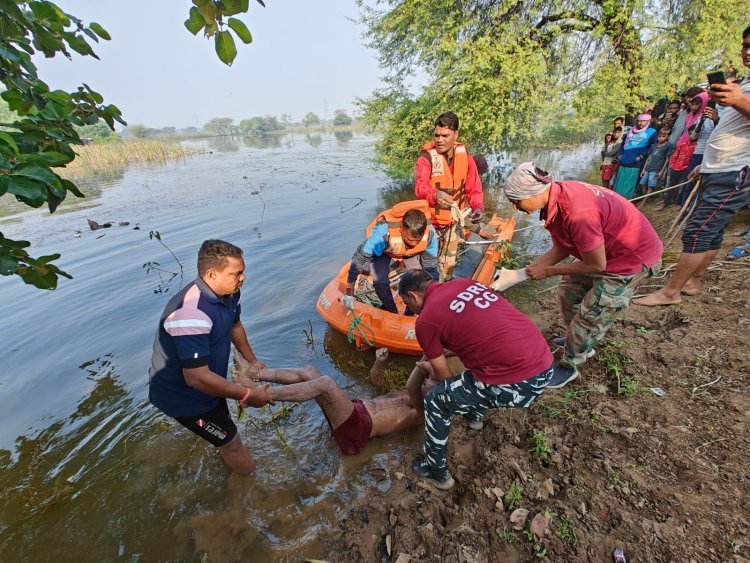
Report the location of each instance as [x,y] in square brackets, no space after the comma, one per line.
[242,344]
[731,95]
[206,381]
[549,258]
[414,385]
[593,262]
[439,369]
[473,188]
[374,246]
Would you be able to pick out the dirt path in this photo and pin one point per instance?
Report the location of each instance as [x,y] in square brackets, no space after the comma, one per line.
[602,463]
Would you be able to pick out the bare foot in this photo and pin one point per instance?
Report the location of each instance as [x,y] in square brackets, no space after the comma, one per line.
[656,299]
[691,288]
[377,369]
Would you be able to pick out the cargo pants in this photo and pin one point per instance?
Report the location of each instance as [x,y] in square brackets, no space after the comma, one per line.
[448,240]
[589,305]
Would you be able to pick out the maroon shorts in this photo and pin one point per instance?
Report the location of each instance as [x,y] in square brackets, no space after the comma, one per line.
[353,434]
[607,171]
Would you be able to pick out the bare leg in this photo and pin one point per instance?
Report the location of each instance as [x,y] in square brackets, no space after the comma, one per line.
[688,265]
[332,400]
[236,456]
[693,285]
[287,375]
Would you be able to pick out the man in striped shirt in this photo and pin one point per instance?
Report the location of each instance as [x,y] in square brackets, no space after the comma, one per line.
[188,375]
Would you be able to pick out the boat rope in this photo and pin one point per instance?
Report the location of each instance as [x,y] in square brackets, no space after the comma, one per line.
[356,325]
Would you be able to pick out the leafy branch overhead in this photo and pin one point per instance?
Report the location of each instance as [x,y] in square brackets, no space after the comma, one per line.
[214,18]
[37,138]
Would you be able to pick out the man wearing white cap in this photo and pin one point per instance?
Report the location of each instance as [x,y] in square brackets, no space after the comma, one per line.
[614,246]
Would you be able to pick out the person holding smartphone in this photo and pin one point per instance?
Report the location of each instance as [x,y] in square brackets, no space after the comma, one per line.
[725,187]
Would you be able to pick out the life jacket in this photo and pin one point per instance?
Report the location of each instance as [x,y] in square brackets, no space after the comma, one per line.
[454,184]
[396,248]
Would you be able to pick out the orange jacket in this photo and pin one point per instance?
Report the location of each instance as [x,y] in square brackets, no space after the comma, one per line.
[396,248]
[441,178]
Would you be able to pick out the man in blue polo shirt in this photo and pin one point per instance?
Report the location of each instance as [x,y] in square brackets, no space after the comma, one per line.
[188,375]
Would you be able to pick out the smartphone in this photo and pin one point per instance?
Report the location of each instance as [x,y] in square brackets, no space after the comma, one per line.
[717,77]
[711,104]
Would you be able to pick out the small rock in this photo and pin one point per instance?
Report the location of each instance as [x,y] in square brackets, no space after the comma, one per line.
[625,489]
[520,472]
[582,509]
[545,490]
[518,518]
[499,506]
[556,458]
[428,526]
[498,492]
[398,475]
[124,223]
[388,544]
[403,558]
[393,519]
[540,524]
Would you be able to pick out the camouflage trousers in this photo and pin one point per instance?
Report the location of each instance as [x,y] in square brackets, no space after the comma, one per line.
[589,305]
[448,240]
[466,395]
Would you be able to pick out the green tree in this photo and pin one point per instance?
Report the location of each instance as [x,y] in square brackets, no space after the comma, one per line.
[98,130]
[220,126]
[510,69]
[340,118]
[41,125]
[311,120]
[259,125]
[140,131]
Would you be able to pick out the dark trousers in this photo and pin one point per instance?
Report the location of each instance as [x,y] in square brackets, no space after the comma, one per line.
[380,267]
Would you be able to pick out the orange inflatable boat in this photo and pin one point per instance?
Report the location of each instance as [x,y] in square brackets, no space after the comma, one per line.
[371,327]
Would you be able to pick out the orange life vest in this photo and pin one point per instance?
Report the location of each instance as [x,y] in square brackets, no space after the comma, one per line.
[396,248]
[454,184]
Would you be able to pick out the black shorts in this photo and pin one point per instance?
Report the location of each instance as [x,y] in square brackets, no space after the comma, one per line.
[216,425]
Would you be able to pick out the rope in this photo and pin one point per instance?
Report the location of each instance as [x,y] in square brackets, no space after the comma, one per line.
[661,191]
[355,325]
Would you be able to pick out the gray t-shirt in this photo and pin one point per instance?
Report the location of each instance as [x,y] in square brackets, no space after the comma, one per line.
[658,157]
[728,147]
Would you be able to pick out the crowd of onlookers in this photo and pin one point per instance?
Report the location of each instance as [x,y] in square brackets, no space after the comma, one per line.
[665,143]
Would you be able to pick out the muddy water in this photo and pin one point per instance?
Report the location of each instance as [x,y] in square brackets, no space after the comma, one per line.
[88,469]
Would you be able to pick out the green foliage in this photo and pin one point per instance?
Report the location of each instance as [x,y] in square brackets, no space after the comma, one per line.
[513,496]
[259,125]
[514,72]
[311,120]
[341,119]
[220,126]
[565,531]
[96,131]
[213,17]
[539,446]
[39,124]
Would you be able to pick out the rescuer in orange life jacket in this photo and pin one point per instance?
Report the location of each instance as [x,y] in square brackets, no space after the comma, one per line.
[446,177]
[402,233]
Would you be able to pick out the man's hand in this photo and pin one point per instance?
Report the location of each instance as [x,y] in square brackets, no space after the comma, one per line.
[726,94]
[537,271]
[259,396]
[426,367]
[476,215]
[694,173]
[443,200]
[710,113]
[348,301]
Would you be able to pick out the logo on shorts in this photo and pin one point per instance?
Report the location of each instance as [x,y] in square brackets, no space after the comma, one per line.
[200,422]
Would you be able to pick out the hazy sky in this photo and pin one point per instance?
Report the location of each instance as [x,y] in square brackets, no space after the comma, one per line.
[306,56]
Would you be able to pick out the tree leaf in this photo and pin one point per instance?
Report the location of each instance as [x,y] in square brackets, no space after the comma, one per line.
[195,21]
[207,9]
[36,172]
[8,263]
[100,31]
[8,140]
[27,189]
[241,30]
[225,48]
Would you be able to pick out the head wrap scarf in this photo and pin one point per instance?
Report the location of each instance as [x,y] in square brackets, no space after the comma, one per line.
[635,131]
[526,181]
[693,117]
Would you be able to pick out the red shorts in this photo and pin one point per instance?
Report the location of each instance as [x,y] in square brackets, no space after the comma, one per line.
[607,171]
[353,434]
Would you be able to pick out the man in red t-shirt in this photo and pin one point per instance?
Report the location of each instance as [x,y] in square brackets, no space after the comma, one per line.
[507,359]
[448,179]
[614,246]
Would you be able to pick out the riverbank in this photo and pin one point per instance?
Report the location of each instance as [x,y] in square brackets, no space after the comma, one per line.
[602,463]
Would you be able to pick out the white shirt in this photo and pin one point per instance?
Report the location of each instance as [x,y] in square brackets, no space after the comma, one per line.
[728,147]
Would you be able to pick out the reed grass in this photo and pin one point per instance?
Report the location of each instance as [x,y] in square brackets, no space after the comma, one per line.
[99,157]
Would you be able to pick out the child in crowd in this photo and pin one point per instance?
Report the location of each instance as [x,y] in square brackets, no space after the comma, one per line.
[656,163]
[606,166]
[609,155]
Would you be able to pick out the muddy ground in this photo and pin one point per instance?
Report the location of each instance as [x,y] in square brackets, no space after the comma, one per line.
[604,462]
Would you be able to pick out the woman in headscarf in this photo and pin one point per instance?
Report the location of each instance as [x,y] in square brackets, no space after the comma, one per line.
[635,149]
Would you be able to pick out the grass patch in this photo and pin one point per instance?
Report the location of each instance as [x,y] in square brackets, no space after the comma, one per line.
[513,496]
[614,361]
[539,446]
[565,531]
[565,404]
[92,159]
